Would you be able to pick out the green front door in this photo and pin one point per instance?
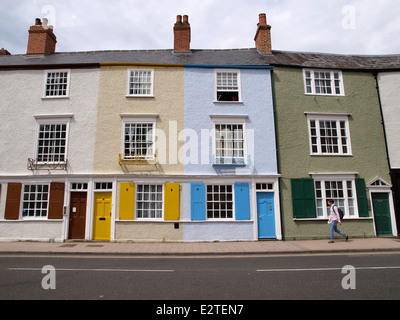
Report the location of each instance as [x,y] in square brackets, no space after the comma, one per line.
[381,205]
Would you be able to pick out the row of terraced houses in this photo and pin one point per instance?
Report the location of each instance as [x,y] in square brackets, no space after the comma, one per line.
[196,145]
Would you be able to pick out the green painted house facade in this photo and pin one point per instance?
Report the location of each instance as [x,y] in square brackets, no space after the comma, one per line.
[331,145]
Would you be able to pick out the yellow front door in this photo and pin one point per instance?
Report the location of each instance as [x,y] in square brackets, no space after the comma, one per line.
[102,216]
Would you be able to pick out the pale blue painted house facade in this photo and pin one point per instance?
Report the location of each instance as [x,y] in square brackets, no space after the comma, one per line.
[231,188]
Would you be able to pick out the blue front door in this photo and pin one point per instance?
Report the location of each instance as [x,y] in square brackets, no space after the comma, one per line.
[266,216]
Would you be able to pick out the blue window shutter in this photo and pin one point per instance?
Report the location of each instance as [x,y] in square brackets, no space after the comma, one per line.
[198,199]
[242,201]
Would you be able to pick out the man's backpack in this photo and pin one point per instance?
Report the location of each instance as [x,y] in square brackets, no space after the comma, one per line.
[341,213]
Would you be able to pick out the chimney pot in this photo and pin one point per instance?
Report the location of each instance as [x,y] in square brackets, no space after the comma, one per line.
[263,18]
[38,22]
[185,19]
[179,19]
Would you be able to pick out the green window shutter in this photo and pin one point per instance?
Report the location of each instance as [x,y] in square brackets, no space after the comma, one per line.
[303,196]
[362,198]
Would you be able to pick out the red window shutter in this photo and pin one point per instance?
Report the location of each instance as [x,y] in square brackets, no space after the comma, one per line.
[56,204]
[13,201]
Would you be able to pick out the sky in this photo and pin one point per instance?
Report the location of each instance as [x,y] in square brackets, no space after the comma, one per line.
[342,26]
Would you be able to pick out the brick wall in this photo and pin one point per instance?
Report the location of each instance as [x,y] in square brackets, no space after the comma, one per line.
[182,34]
[263,35]
[41,39]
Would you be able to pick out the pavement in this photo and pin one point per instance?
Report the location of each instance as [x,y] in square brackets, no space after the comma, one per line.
[202,248]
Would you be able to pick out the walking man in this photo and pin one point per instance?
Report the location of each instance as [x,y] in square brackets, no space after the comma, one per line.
[334,219]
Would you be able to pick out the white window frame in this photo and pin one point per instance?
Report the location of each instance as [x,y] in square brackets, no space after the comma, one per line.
[46,77]
[36,200]
[230,120]
[226,201]
[265,186]
[79,186]
[58,120]
[333,86]
[130,72]
[137,201]
[338,118]
[238,90]
[103,186]
[139,119]
[323,210]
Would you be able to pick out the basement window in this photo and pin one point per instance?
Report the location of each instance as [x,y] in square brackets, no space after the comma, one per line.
[227,86]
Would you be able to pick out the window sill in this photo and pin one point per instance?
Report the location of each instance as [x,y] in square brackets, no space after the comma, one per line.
[148,220]
[229,102]
[134,97]
[330,155]
[324,95]
[27,219]
[327,219]
[51,98]
[229,165]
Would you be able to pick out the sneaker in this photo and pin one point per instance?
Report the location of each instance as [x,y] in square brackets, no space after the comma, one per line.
[347,238]
[331,242]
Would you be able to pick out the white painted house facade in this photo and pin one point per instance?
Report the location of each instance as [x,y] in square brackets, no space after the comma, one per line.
[48,132]
[389,84]
[44,136]
[47,135]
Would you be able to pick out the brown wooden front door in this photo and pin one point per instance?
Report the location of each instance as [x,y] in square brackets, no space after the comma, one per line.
[77,215]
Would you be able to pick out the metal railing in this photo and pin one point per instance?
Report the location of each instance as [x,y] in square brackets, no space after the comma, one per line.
[36,164]
[137,159]
[231,160]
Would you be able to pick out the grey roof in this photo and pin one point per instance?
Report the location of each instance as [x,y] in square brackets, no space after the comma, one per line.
[234,57]
[336,61]
[247,57]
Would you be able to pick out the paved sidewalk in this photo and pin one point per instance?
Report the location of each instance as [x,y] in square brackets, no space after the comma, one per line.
[203,248]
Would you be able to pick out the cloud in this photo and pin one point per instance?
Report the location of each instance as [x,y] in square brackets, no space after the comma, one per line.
[322,26]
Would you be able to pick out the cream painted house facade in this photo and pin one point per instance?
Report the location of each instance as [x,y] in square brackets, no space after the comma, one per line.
[137,150]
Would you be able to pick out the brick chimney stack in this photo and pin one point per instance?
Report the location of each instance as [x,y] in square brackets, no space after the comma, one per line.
[41,39]
[182,34]
[4,52]
[263,35]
